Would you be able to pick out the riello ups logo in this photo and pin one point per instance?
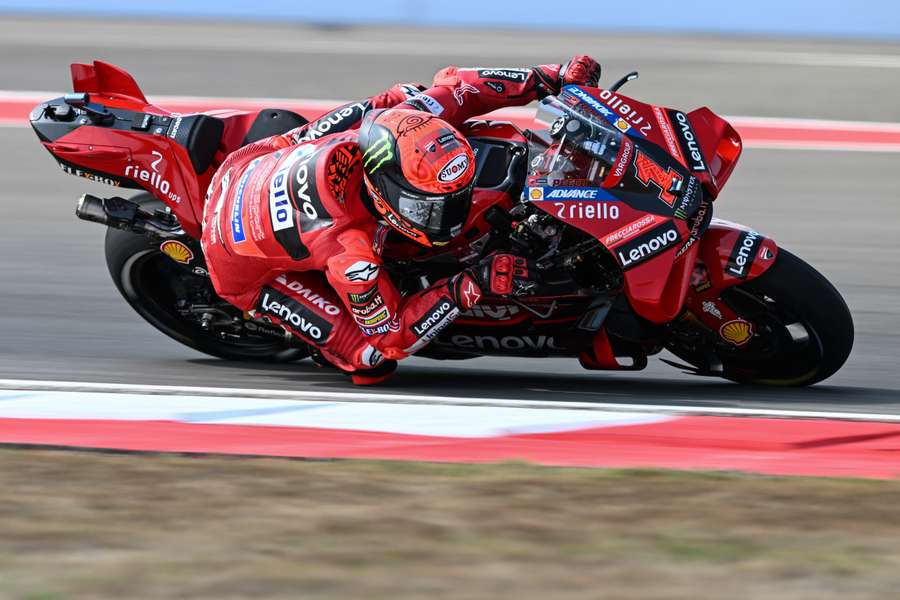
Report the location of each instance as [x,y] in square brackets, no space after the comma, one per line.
[645,247]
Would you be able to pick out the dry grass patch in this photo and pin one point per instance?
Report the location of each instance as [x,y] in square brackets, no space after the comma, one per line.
[89,525]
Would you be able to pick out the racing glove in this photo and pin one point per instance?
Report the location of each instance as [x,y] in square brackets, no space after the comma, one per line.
[510,276]
[581,70]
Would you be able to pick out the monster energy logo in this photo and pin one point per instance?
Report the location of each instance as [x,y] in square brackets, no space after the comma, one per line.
[380,151]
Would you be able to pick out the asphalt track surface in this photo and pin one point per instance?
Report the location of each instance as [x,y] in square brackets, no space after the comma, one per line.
[62,319]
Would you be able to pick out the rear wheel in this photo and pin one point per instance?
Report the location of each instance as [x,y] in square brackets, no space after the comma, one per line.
[161,290]
[803,331]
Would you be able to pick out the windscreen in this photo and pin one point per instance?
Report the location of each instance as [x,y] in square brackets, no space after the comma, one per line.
[577,149]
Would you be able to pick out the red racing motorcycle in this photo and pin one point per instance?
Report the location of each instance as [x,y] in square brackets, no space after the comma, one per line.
[605,190]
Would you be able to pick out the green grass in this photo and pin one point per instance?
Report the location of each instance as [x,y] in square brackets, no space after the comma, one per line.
[92,525]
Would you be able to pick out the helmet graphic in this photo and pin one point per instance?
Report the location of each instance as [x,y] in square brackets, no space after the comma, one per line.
[419,171]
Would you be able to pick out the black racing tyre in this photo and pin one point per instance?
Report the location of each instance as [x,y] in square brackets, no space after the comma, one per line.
[152,284]
[804,331]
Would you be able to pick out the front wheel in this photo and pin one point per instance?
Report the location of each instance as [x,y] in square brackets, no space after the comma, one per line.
[162,291]
[803,331]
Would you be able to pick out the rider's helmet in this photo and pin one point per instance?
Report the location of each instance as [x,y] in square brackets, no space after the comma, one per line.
[419,171]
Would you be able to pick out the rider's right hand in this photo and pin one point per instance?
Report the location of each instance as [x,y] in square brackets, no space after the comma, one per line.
[504,275]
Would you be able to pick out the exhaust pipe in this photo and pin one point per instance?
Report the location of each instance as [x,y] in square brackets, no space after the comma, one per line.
[127,215]
[91,208]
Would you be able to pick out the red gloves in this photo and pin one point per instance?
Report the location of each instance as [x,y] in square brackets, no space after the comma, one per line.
[504,275]
[581,70]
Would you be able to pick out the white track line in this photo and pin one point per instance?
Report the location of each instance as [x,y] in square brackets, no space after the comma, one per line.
[70,386]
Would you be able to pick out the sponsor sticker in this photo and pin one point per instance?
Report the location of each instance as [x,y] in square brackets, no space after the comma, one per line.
[430,104]
[688,141]
[738,332]
[630,230]
[238,234]
[517,75]
[454,169]
[710,307]
[177,251]
[668,134]
[364,297]
[294,315]
[340,119]
[537,194]
[361,270]
[310,296]
[648,245]
[743,253]
[599,211]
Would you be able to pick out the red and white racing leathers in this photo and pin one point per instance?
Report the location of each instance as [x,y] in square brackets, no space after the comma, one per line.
[286,234]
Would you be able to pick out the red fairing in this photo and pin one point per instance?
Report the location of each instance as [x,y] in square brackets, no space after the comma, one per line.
[720,144]
[104,78]
[733,254]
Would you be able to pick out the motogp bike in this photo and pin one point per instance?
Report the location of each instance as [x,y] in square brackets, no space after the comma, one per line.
[605,190]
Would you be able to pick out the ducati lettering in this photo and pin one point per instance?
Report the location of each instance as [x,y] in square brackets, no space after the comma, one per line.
[296,316]
[599,211]
[648,245]
[340,119]
[688,141]
[310,296]
[743,254]
[176,125]
[517,75]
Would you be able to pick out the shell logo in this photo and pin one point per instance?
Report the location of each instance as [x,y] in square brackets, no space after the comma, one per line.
[177,251]
[738,332]
[536,193]
[622,125]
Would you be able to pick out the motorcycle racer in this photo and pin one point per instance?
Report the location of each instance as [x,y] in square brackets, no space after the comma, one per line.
[294,225]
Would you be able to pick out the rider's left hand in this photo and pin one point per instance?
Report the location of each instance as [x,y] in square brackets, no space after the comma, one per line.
[581,70]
